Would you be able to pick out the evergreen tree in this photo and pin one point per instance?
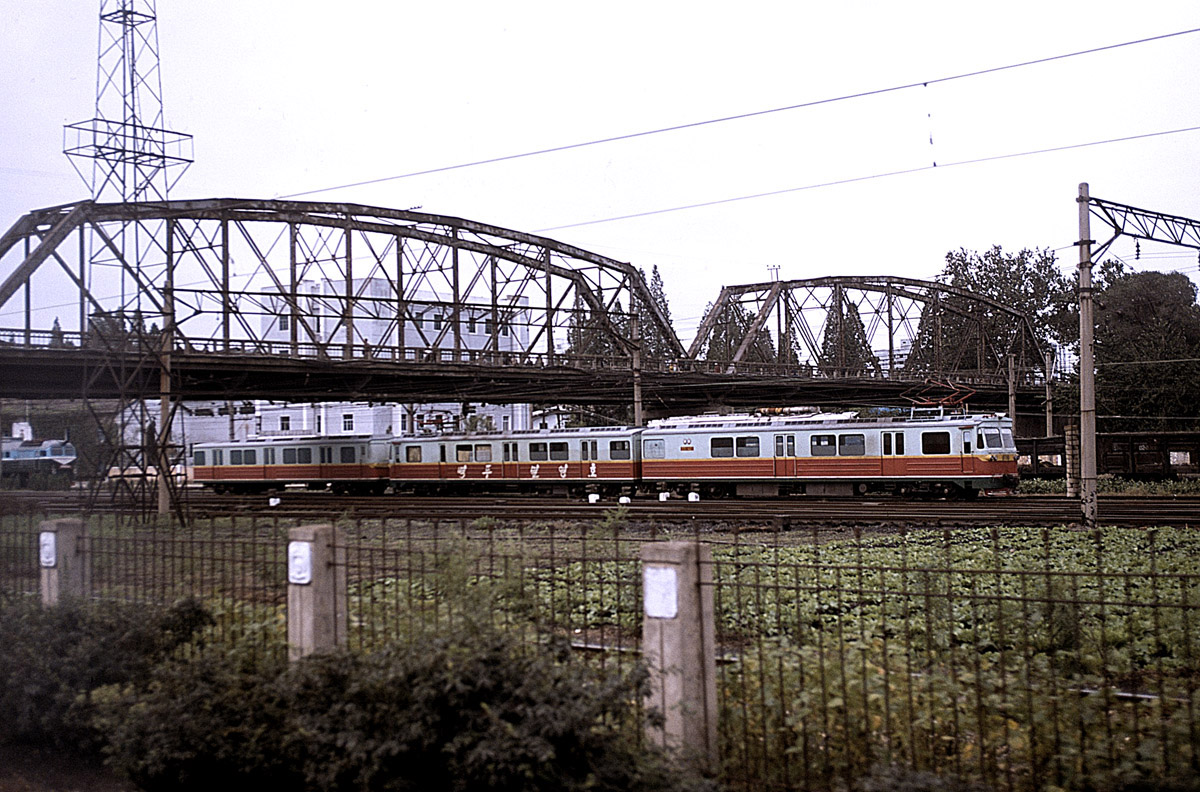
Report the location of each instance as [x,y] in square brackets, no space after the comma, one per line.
[728,333]
[845,350]
[655,344]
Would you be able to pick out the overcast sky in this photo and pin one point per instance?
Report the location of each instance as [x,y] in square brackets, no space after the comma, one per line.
[288,97]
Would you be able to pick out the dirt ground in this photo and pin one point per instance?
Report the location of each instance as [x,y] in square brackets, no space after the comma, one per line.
[32,770]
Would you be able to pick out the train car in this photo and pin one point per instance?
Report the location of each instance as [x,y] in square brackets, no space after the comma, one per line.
[46,464]
[560,461]
[831,454]
[343,463]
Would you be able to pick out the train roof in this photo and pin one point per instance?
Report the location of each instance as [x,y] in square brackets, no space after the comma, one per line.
[574,431]
[283,439]
[815,420]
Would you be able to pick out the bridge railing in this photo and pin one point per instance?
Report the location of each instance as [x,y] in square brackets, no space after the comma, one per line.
[150,342]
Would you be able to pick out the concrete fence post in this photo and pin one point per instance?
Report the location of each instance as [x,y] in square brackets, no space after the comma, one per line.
[63,558]
[679,648]
[1071,458]
[316,609]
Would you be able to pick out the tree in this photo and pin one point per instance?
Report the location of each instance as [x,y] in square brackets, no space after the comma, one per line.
[654,342]
[962,334]
[728,333]
[1147,351]
[845,349]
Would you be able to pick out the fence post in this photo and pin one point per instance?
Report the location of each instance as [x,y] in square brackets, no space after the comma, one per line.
[316,609]
[1071,458]
[62,555]
[679,648]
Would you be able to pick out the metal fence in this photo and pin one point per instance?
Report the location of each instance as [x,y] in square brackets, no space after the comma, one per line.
[1016,658]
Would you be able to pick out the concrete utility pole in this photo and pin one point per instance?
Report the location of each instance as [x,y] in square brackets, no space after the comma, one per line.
[1087,367]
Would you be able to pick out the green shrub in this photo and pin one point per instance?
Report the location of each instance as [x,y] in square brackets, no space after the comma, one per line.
[52,659]
[203,722]
[478,712]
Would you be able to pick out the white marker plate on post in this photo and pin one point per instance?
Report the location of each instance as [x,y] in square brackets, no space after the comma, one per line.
[300,563]
[48,549]
[661,592]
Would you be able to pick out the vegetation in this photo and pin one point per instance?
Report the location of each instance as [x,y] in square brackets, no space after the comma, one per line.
[52,659]
[1148,351]
[955,336]
[727,334]
[845,349]
[474,712]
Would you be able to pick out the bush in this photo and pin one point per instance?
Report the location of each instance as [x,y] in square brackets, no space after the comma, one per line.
[200,723]
[52,659]
[474,713]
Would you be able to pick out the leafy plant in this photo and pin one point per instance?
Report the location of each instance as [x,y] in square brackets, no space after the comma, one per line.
[480,711]
[52,659]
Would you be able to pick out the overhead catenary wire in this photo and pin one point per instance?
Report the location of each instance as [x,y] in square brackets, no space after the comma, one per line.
[742,116]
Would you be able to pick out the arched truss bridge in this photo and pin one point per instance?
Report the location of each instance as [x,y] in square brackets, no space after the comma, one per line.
[262,298]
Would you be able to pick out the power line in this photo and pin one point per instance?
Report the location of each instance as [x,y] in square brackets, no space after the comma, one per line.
[742,116]
[852,180]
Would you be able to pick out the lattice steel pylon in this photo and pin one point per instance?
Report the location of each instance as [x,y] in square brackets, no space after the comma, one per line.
[133,158]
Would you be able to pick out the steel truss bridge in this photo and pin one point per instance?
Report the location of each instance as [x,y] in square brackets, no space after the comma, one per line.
[302,301]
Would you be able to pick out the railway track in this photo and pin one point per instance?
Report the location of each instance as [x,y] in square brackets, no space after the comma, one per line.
[1126,511]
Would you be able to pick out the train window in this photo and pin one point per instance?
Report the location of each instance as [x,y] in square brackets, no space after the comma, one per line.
[248,456]
[326,455]
[721,447]
[218,457]
[899,443]
[992,436]
[289,456]
[198,458]
[346,454]
[967,442]
[618,449]
[654,449]
[935,442]
[462,453]
[304,456]
[442,453]
[852,445]
[558,452]
[537,452]
[483,453]
[747,446]
[235,456]
[824,445]
[268,456]
[412,453]
[589,450]
[1008,438]
[507,452]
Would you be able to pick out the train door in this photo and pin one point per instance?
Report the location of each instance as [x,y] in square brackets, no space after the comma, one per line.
[968,450]
[892,463]
[785,455]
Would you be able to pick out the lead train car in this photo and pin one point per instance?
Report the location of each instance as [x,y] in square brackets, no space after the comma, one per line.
[344,463]
[830,455]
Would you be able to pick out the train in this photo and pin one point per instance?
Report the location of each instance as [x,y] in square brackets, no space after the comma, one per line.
[40,464]
[933,452]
